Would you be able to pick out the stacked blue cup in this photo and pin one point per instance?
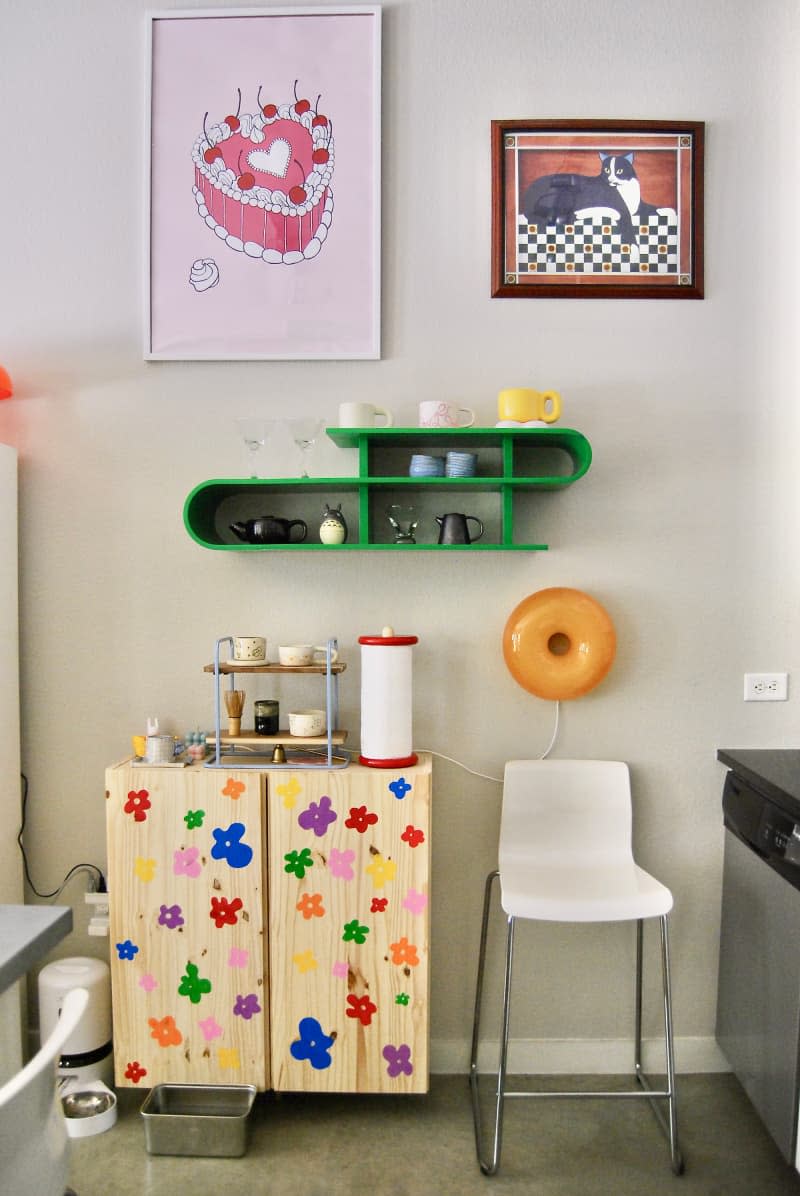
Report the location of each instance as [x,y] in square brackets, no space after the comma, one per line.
[423,466]
[461,465]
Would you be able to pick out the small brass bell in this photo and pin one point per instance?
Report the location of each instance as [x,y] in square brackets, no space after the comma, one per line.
[278,754]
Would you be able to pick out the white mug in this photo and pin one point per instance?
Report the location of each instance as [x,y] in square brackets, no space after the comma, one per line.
[298,655]
[363,415]
[436,414]
[249,647]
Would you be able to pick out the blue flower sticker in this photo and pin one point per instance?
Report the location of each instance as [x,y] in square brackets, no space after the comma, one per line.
[400,788]
[312,1045]
[127,950]
[228,846]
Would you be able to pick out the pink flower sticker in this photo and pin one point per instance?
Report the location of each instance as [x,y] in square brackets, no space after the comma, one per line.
[210,1029]
[339,970]
[148,982]
[415,902]
[341,863]
[185,862]
[238,958]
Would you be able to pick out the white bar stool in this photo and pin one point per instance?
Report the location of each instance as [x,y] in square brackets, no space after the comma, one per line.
[565,856]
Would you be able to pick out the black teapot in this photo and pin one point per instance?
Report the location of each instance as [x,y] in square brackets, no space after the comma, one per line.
[453,528]
[269,529]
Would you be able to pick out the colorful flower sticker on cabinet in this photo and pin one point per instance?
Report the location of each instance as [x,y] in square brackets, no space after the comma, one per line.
[210,1029]
[413,836]
[228,1058]
[404,952]
[246,1007]
[192,985]
[238,958]
[340,864]
[361,1008]
[171,917]
[415,902]
[399,1060]
[234,789]
[400,788]
[186,862]
[339,969]
[224,912]
[135,1072]
[228,846]
[138,804]
[144,869]
[354,932]
[165,1032]
[194,819]
[288,792]
[148,982]
[312,1045]
[360,819]
[381,870]
[378,905]
[298,861]
[304,961]
[310,906]
[127,950]
[318,817]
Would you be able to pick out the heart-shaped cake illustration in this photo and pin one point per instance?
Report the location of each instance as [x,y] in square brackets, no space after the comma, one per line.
[273,160]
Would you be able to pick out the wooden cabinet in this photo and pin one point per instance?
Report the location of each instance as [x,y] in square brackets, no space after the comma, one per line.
[340,859]
[513,466]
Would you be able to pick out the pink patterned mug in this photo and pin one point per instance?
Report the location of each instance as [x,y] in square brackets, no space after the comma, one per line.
[436,414]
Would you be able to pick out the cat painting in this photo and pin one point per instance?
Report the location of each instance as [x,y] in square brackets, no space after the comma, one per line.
[614,193]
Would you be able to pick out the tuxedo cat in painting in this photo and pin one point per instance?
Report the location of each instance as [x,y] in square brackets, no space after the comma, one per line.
[615,193]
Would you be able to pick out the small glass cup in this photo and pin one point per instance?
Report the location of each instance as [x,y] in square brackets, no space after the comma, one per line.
[404,521]
[266,716]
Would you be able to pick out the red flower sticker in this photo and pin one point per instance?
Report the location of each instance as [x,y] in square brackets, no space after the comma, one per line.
[135,1072]
[224,912]
[361,1008]
[413,836]
[378,905]
[138,804]
[360,819]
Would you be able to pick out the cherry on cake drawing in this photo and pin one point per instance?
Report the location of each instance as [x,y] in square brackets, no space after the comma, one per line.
[262,181]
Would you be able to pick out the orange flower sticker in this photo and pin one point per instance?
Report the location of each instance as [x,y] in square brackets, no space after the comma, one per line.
[233,789]
[404,952]
[165,1032]
[310,906]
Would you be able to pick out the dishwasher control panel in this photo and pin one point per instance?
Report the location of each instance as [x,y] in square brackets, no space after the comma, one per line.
[763,826]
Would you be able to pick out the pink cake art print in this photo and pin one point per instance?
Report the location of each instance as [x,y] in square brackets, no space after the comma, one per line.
[262,182]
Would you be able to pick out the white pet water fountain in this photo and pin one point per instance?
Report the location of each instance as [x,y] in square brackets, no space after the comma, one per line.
[86,1065]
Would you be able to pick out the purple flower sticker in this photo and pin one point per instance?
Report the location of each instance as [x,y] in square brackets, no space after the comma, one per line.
[399,1060]
[318,817]
[170,916]
[247,1006]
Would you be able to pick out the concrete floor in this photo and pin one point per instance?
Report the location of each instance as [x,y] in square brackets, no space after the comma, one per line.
[423,1146]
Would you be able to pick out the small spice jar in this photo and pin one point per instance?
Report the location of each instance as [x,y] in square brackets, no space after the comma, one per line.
[266,716]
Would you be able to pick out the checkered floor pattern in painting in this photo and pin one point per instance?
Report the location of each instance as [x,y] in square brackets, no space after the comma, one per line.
[592,246]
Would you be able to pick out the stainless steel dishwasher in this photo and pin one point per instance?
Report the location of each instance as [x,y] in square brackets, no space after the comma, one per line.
[758,1002]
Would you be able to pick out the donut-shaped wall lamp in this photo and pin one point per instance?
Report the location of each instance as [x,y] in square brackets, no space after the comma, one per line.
[559,643]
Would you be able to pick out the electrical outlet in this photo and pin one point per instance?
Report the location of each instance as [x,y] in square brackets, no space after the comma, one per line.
[765,687]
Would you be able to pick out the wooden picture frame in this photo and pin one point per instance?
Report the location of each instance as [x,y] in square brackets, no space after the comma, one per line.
[597,209]
[260,241]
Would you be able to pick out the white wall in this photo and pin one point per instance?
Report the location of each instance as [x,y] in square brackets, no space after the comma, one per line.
[686,527]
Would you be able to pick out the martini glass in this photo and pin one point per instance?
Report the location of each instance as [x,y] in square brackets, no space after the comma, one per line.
[254,432]
[304,434]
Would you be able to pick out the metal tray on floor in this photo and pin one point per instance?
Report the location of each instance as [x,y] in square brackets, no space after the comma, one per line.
[198,1119]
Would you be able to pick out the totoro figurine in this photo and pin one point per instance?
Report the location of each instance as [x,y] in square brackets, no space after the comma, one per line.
[333,529]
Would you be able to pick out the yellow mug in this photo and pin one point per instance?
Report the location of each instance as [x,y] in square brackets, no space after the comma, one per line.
[139,744]
[522,406]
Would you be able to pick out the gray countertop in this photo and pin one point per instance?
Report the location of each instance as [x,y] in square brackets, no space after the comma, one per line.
[775,772]
[27,933]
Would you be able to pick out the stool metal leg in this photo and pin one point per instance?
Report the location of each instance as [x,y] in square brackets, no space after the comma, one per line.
[670,1128]
[489,1165]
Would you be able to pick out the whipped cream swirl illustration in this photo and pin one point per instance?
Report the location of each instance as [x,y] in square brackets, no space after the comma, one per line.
[204,274]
